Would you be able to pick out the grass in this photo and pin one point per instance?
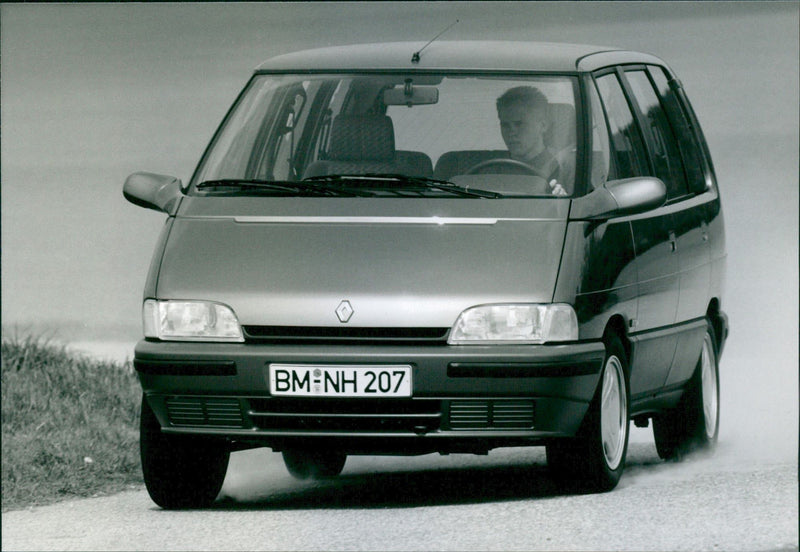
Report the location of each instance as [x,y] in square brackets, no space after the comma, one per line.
[69,424]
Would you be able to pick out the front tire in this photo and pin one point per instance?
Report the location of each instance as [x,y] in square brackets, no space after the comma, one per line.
[307,464]
[594,460]
[694,424]
[180,471]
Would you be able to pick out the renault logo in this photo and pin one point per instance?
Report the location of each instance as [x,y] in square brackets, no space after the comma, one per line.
[344,311]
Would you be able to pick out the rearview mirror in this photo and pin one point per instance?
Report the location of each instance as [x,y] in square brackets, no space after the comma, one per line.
[617,198]
[411,95]
[153,191]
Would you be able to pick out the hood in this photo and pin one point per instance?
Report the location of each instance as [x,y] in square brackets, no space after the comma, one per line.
[399,263]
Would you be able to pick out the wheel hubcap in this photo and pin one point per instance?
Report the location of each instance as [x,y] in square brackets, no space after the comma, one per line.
[613,413]
[709,383]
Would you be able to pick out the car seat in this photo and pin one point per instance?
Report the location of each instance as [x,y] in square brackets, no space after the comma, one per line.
[364,144]
[359,144]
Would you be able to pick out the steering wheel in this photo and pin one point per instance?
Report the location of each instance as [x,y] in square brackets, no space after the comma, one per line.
[507,162]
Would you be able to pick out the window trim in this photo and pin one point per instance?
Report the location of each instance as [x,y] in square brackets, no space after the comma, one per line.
[588,158]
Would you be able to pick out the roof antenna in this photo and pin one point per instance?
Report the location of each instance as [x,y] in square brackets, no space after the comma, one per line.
[415,57]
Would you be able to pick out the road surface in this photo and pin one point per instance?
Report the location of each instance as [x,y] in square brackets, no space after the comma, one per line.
[504,501]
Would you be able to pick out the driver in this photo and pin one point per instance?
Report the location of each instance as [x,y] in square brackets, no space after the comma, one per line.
[522,111]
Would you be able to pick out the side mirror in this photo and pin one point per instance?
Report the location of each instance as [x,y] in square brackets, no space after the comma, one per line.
[617,198]
[153,191]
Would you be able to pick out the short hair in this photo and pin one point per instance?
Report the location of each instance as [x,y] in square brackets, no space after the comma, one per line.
[527,95]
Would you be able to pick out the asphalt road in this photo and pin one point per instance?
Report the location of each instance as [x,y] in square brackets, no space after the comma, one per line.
[504,501]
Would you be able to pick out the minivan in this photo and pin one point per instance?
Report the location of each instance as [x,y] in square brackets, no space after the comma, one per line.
[406,249]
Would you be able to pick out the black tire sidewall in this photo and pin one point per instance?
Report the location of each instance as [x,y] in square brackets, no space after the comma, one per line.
[579,463]
[682,430]
[305,464]
[699,438]
[179,472]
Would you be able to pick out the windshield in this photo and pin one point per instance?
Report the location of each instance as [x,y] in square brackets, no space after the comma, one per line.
[447,135]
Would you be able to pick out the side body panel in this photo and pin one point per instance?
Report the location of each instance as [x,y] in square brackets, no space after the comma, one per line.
[659,280]
[601,272]
[597,274]
[692,230]
[153,272]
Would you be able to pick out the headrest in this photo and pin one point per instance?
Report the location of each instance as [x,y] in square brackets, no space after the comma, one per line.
[362,138]
[561,132]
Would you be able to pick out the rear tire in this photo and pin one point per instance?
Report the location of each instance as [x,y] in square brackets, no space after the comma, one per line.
[180,471]
[694,424]
[307,464]
[594,460]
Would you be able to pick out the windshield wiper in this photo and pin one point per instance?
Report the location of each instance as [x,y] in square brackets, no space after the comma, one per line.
[399,183]
[361,185]
[239,185]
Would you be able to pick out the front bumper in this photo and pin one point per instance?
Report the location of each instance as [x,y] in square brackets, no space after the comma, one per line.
[468,398]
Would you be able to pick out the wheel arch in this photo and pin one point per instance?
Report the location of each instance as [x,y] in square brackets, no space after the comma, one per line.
[616,325]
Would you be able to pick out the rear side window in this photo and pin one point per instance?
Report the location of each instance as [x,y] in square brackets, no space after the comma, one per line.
[664,151]
[628,151]
[687,141]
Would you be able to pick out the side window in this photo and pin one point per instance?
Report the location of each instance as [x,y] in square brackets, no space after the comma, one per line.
[687,141]
[665,154]
[628,151]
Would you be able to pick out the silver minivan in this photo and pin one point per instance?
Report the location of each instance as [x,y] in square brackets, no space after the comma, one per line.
[397,249]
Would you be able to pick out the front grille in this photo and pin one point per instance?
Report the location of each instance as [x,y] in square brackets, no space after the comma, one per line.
[201,411]
[277,334]
[358,415]
[499,414]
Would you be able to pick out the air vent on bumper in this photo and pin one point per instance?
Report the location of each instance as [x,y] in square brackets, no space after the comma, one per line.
[499,414]
[204,412]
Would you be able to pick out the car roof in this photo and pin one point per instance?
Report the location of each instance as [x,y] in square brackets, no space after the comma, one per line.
[456,55]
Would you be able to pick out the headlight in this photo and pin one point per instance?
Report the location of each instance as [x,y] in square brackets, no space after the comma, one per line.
[190,321]
[515,324]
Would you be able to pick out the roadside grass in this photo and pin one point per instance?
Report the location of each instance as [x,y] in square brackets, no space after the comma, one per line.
[69,424]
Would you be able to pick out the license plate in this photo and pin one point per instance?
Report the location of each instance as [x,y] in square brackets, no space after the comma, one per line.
[311,380]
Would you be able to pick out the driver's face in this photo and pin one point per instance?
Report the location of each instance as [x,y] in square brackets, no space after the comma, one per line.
[523,130]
